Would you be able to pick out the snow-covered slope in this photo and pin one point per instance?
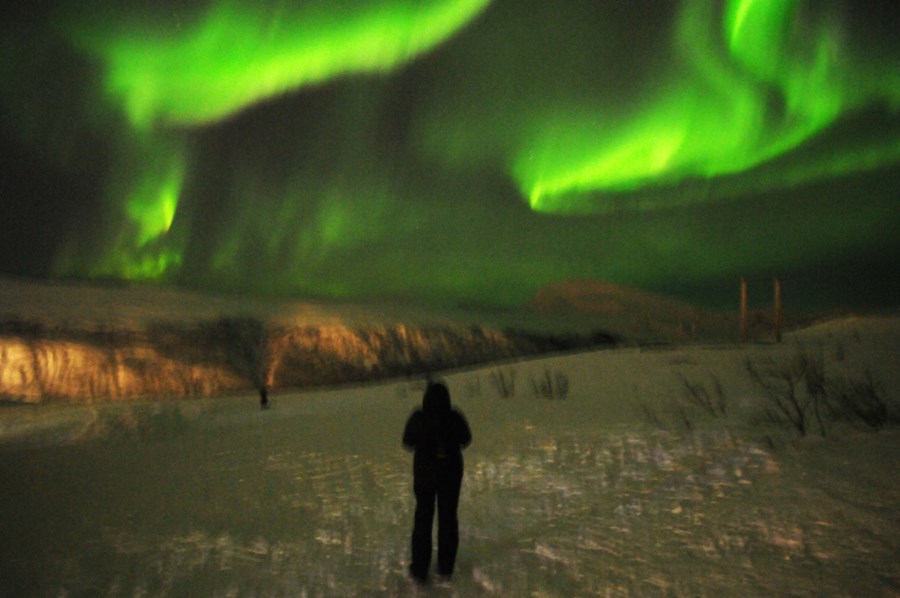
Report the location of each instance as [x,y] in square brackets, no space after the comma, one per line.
[590,474]
[88,343]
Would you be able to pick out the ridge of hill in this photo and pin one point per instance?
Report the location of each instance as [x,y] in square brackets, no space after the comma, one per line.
[634,314]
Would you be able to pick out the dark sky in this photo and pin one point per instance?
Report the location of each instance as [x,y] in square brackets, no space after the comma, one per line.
[455,150]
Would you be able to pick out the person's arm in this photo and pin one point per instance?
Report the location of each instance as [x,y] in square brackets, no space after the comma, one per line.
[463,433]
[411,432]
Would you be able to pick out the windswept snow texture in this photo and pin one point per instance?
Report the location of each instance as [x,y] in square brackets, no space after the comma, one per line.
[569,489]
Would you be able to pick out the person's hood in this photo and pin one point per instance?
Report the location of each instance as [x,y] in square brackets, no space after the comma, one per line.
[436,400]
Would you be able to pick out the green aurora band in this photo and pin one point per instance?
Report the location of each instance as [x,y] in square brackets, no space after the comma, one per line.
[232,57]
[464,149]
[236,54]
[716,117]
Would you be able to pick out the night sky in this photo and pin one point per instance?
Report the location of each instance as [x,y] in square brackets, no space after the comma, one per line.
[466,151]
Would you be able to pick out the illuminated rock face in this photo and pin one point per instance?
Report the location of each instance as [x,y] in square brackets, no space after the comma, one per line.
[45,370]
[335,354]
[225,356]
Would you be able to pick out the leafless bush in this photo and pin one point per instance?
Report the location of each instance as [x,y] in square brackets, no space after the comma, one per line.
[710,401]
[860,400]
[651,416]
[795,391]
[551,385]
[504,382]
[673,417]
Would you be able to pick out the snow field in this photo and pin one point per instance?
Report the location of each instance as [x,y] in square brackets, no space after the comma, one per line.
[570,492]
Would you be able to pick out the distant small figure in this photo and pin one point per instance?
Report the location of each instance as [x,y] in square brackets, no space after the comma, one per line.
[437,433]
[263,397]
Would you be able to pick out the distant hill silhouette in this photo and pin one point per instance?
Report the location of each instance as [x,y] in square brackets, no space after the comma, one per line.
[634,314]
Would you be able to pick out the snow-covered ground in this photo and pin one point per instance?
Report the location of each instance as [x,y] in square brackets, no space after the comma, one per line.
[590,474]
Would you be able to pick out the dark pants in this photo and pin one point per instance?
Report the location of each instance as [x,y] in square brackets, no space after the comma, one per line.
[440,481]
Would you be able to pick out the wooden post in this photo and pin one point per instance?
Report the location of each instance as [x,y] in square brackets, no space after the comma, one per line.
[778,315]
[743,310]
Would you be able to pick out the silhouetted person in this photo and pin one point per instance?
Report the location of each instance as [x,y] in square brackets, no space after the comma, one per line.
[437,433]
[263,397]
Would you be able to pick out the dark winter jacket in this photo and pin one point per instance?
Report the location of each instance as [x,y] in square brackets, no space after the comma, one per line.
[436,432]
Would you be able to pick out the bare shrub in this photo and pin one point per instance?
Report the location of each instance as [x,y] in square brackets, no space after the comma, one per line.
[651,416]
[794,390]
[860,400]
[553,385]
[711,401]
[504,382]
[668,419]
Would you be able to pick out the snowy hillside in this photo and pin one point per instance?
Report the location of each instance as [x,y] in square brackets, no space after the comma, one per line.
[76,341]
[89,343]
[667,471]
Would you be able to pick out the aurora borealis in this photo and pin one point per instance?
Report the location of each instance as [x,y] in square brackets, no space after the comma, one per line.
[455,150]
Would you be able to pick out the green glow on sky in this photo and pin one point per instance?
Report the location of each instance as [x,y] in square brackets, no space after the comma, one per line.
[307,224]
[458,150]
[153,204]
[238,53]
[234,55]
[736,104]
[151,183]
[149,265]
[143,191]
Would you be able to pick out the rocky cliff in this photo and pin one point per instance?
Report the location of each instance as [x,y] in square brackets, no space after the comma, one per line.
[40,362]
